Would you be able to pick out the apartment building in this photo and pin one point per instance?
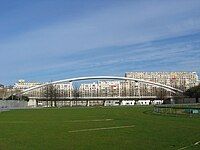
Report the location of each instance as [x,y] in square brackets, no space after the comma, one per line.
[179,80]
[22,84]
[64,89]
[88,90]
[109,88]
[100,89]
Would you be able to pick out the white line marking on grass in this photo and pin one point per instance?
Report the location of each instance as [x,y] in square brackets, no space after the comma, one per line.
[14,122]
[197,143]
[106,128]
[183,148]
[95,120]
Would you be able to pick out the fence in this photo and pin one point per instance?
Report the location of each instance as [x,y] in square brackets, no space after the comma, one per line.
[12,104]
[191,109]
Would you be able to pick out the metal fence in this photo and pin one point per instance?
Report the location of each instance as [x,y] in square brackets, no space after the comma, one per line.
[191,109]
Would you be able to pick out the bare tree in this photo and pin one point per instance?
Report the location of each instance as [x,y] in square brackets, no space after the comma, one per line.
[45,93]
[178,97]
[7,92]
[161,94]
[193,92]
[76,92]
[51,93]
[2,93]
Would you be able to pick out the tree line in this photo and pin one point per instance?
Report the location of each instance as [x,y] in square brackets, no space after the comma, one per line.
[193,92]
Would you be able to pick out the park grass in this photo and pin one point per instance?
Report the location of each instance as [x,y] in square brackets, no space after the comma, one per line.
[47,129]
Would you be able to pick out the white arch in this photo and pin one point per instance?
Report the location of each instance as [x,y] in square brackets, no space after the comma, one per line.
[174,90]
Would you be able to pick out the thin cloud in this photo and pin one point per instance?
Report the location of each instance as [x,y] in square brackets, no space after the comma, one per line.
[114,38]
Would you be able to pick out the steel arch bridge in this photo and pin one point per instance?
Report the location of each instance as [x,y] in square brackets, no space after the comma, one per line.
[166,87]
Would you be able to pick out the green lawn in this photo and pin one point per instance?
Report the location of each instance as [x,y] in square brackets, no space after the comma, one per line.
[102,128]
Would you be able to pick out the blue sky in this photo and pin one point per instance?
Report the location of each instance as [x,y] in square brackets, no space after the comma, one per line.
[43,40]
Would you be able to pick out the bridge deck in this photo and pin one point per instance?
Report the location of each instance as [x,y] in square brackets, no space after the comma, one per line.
[97,98]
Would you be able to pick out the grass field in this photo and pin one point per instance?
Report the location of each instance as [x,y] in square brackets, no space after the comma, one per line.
[97,128]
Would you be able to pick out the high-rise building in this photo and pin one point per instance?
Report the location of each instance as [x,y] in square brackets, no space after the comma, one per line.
[109,88]
[22,85]
[100,89]
[64,89]
[88,90]
[179,80]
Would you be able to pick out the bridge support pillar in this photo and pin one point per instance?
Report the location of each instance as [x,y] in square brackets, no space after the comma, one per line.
[36,103]
[104,103]
[47,103]
[71,104]
[120,102]
[32,103]
[88,103]
[172,101]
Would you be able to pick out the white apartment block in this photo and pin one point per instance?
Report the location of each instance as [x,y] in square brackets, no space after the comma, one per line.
[100,89]
[109,88]
[22,85]
[180,80]
[88,90]
[64,89]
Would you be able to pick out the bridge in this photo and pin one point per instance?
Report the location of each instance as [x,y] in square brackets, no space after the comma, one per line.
[163,86]
[98,98]
[86,99]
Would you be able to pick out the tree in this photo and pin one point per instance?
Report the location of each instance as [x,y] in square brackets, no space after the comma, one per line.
[51,93]
[178,97]
[161,94]
[2,93]
[76,92]
[193,92]
[7,92]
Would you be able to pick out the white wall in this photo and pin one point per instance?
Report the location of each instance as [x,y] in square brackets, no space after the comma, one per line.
[157,102]
[112,103]
[143,102]
[128,102]
[31,103]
